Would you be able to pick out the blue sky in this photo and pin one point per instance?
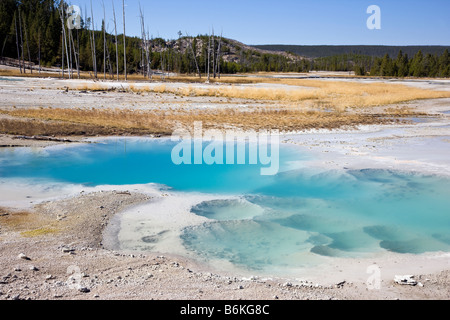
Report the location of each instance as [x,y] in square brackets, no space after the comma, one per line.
[319,22]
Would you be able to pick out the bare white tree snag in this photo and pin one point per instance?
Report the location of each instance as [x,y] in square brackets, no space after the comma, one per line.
[21,42]
[28,45]
[194,54]
[104,40]
[209,58]
[17,42]
[75,52]
[63,42]
[70,51]
[145,46]
[39,51]
[124,42]
[62,13]
[213,54]
[117,44]
[219,55]
[93,42]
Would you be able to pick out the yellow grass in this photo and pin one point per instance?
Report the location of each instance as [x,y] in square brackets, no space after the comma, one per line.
[38,232]
[164,122]
[337,95]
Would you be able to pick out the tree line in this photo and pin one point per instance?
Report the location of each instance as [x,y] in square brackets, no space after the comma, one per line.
[35,32]
[321,51]
[419,65]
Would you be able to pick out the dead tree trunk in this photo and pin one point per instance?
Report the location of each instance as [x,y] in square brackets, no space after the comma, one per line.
[17,41]
[21,42]
[78,55]
[70,53]
[104,41]
[39,51]
[124,42]
[93,43]
[75,53]
[209,58]
[213,54]
[219,52]
[117,45]
[145,45]
[64,40]
[195,58]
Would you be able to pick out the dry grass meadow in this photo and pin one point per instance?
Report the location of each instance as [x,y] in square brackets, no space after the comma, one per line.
[300,104]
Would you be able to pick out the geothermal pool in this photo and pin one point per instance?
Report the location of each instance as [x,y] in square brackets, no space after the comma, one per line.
[256,222]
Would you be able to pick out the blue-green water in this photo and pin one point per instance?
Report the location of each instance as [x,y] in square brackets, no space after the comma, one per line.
[10,79]
[278,221]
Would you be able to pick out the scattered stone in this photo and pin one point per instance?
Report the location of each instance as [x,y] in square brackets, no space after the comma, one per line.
[68,250]
[96,296]
[49,277]
[33,268]
[23,256]
[241,288]
[17,269]
[405,280]
[84,290]
[340,284]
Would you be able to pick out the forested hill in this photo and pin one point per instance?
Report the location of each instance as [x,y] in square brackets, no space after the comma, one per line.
[373,51]
[33,32]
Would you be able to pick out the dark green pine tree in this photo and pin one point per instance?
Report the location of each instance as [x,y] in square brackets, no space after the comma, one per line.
[402,65]
[417,65]
[387,67]
[444,65]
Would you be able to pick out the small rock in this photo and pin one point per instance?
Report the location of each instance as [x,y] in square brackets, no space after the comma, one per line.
[49,277]
[33,268]
[68,250]
[96,296]
[17,269]
[405,280]
[241,288]
[23,256]
[84,290]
